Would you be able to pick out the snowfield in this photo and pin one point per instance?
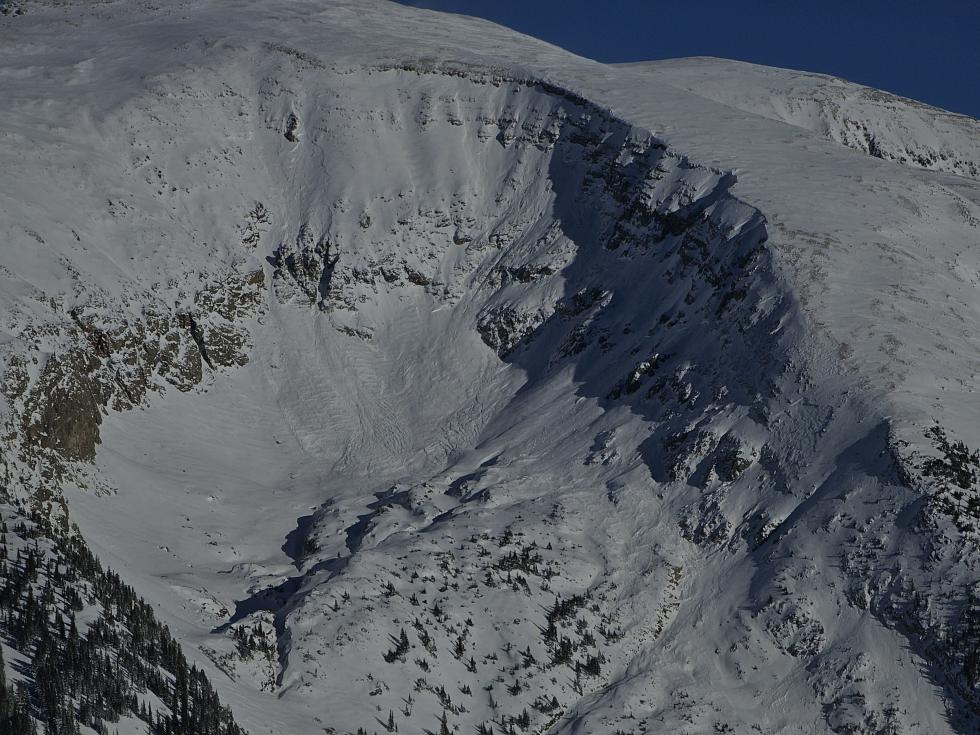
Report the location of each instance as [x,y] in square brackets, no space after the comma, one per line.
[421,374]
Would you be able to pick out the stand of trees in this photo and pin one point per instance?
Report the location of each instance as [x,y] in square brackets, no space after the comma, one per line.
[91,676]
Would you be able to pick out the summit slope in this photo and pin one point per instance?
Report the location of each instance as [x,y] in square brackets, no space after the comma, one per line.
[420,373]
[869,120]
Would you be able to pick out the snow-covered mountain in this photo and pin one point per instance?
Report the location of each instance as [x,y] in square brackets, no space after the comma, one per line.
[418,373]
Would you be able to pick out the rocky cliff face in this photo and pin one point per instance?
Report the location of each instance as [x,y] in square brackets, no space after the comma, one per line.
[109,355]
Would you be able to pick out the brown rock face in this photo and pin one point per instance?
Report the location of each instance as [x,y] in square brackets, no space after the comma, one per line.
[116,361]
[68,404]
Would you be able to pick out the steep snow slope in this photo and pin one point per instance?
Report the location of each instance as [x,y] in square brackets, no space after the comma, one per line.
[866,119]
[329,321]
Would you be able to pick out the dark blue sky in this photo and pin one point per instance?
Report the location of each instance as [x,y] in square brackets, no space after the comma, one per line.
[925,49]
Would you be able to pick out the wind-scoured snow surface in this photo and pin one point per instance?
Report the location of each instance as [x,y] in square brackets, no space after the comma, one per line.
[611,386]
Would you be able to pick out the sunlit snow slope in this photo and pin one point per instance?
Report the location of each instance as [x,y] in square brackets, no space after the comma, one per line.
[424,374]
[868,120]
